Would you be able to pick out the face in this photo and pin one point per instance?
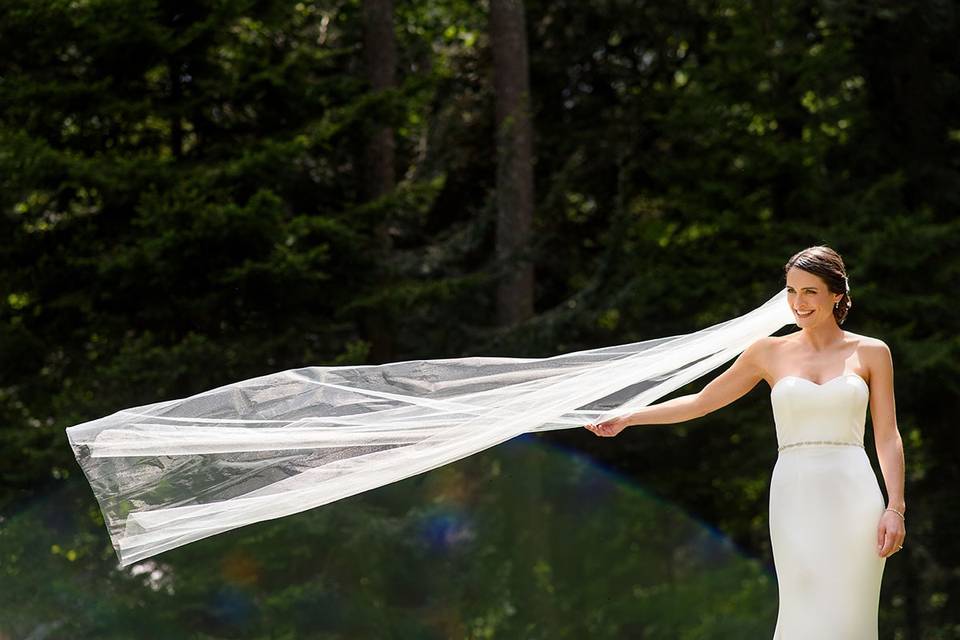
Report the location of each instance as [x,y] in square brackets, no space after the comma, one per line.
[809,298]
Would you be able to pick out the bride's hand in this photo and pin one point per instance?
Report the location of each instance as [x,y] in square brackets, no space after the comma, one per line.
[608,428]
[890,534]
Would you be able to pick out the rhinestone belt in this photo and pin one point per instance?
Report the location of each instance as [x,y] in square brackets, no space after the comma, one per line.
[797,444]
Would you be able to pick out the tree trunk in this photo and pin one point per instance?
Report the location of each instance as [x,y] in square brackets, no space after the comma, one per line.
[380,57]
[514,188]
[514,139]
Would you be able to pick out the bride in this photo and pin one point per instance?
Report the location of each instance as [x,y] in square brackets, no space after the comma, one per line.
[830,532]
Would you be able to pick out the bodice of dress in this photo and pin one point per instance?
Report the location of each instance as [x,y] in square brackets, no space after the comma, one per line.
[807,413]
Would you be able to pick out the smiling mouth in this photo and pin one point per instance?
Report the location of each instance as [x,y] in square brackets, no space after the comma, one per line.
[803,315]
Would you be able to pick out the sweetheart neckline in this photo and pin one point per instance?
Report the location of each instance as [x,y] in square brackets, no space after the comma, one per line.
[821,384]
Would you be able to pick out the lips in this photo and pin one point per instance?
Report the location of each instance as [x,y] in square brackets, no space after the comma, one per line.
[803,315]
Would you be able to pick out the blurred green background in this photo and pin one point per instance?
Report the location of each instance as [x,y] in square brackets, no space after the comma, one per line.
[195,193]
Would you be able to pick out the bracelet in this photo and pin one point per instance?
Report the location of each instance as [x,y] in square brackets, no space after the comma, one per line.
[896,512]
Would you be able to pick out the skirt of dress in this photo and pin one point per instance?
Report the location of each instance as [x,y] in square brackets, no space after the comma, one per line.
[825,505]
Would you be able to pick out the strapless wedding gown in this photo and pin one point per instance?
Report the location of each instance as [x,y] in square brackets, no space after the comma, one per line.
[825,505]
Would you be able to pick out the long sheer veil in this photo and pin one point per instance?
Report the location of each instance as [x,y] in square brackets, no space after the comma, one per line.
[170,473]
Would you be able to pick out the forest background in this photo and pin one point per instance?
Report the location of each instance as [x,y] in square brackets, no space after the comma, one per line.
[195,193]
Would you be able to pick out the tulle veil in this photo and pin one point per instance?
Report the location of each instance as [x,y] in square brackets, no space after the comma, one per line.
[174,472]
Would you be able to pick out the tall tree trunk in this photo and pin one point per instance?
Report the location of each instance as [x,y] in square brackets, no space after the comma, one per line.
[514,140]
[514,132]
[380,56]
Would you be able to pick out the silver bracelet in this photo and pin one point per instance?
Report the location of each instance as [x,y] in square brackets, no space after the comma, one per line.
[896,512]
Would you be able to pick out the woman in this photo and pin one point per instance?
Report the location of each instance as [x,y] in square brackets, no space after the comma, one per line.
[826,508]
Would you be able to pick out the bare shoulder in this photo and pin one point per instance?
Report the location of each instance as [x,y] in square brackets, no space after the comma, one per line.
[869,341]
[873,352]
[761,346]
[762,351]
[770,345]
[868,344]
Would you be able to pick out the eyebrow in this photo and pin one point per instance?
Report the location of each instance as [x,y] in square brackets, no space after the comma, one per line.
[790,287]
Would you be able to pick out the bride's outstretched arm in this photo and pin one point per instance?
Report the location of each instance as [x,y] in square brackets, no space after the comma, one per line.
[737,380]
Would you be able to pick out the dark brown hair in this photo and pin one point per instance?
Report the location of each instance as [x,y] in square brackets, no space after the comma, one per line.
[826,263]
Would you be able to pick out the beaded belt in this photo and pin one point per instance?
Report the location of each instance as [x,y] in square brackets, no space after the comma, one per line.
[797,444]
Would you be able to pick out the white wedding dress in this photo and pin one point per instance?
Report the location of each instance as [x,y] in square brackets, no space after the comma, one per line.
[825,505]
